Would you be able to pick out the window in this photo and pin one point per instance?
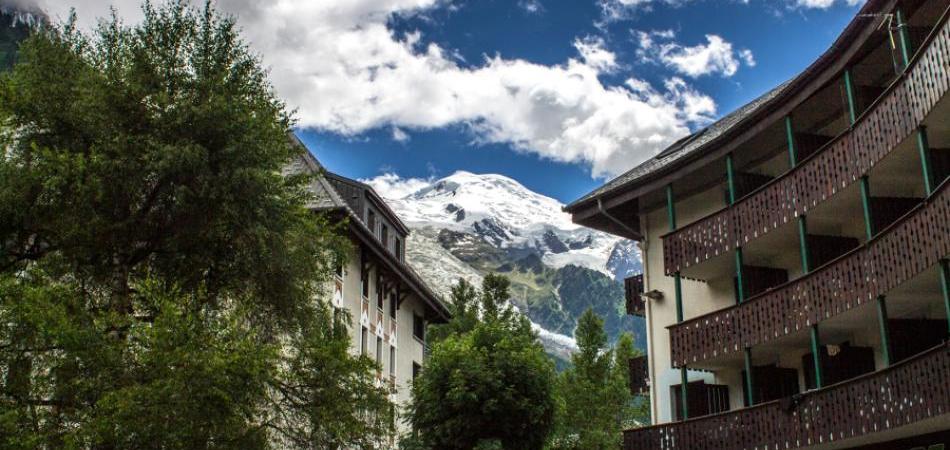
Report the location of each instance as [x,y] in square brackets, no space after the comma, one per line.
[416,369]
[393,299]
[371,221]
[392,361]
[384,236]
[379,351]
[419,327]
[339,271]
[364,281]
[397,248]
[379,293]
[363,334]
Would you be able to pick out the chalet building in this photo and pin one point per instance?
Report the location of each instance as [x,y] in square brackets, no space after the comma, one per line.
[796,276]
[388,303]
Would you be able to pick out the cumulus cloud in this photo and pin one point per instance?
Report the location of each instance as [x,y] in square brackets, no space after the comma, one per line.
[346,72]
[393,187]
[715,56]
[594,53]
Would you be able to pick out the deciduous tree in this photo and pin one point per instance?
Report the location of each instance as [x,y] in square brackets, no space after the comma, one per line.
[161,282]
[488,383]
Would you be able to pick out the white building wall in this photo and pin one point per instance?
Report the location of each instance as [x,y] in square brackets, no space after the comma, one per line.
[409,349]
[698,298]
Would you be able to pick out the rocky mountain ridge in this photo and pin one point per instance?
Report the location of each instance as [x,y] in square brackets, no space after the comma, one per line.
[468,225]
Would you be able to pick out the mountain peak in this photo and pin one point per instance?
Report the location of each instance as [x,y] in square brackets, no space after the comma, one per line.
[463,199]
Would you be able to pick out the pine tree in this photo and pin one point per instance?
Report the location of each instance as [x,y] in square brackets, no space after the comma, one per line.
[594,392]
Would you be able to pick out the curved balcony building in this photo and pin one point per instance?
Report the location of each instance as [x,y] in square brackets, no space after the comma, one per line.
[796,280]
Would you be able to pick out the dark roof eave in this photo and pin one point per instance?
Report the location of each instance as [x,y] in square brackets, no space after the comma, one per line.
[846,40]
[402,269]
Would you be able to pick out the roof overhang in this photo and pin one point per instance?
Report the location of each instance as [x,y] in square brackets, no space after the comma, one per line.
[586,210]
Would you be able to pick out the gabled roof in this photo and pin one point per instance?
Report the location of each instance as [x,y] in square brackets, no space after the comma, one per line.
[327,198]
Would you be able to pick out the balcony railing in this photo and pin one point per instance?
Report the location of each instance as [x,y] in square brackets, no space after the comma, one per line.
[909,392]
[891,119]
[639,375]
[633,292]
[907,248]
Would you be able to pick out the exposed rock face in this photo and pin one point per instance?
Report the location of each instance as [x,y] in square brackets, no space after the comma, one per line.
[491,223]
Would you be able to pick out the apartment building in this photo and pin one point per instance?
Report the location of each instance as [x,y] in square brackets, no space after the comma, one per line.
[796,285]
[389,304]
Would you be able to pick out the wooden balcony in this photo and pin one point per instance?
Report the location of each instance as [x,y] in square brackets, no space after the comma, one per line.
[831,167]
[912,391]
[639,375]
[633,291]
[908,247]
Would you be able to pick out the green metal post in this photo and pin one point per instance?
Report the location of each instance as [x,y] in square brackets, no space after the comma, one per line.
[670,207]
[678,294]
[852,113]
[905,39]
[866,203]
[683,393]
[750,394]
[731,182]
[790,137]
[730,178]
[945,287]
[803,244]
[923,147]
[740,284]
[815,345]
[677,280]
[885,329]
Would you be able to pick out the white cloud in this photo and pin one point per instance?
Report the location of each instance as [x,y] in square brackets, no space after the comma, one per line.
[399,135]
[716,56]
[346,72]
[823,4]
[531,6]
[392,187]
[747,57]
[594,53]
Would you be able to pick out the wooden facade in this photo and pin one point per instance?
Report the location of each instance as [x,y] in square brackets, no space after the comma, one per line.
[893,117]
[914,244]
[912,391]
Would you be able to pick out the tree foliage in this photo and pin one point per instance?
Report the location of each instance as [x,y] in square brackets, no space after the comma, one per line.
[595,399]
[488,383]
[160,280]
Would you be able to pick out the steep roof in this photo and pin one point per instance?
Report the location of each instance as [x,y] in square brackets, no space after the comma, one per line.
[327,198]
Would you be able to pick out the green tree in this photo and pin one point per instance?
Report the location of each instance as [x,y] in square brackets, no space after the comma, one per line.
[596,403]
[488,383]
[161,282]
[464,311]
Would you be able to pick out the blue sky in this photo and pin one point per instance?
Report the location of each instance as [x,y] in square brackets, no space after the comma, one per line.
[559,95]
[782,39]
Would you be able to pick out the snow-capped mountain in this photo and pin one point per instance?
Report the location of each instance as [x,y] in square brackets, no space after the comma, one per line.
[466,225]
[21,13]
[17,20]
[505,214]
